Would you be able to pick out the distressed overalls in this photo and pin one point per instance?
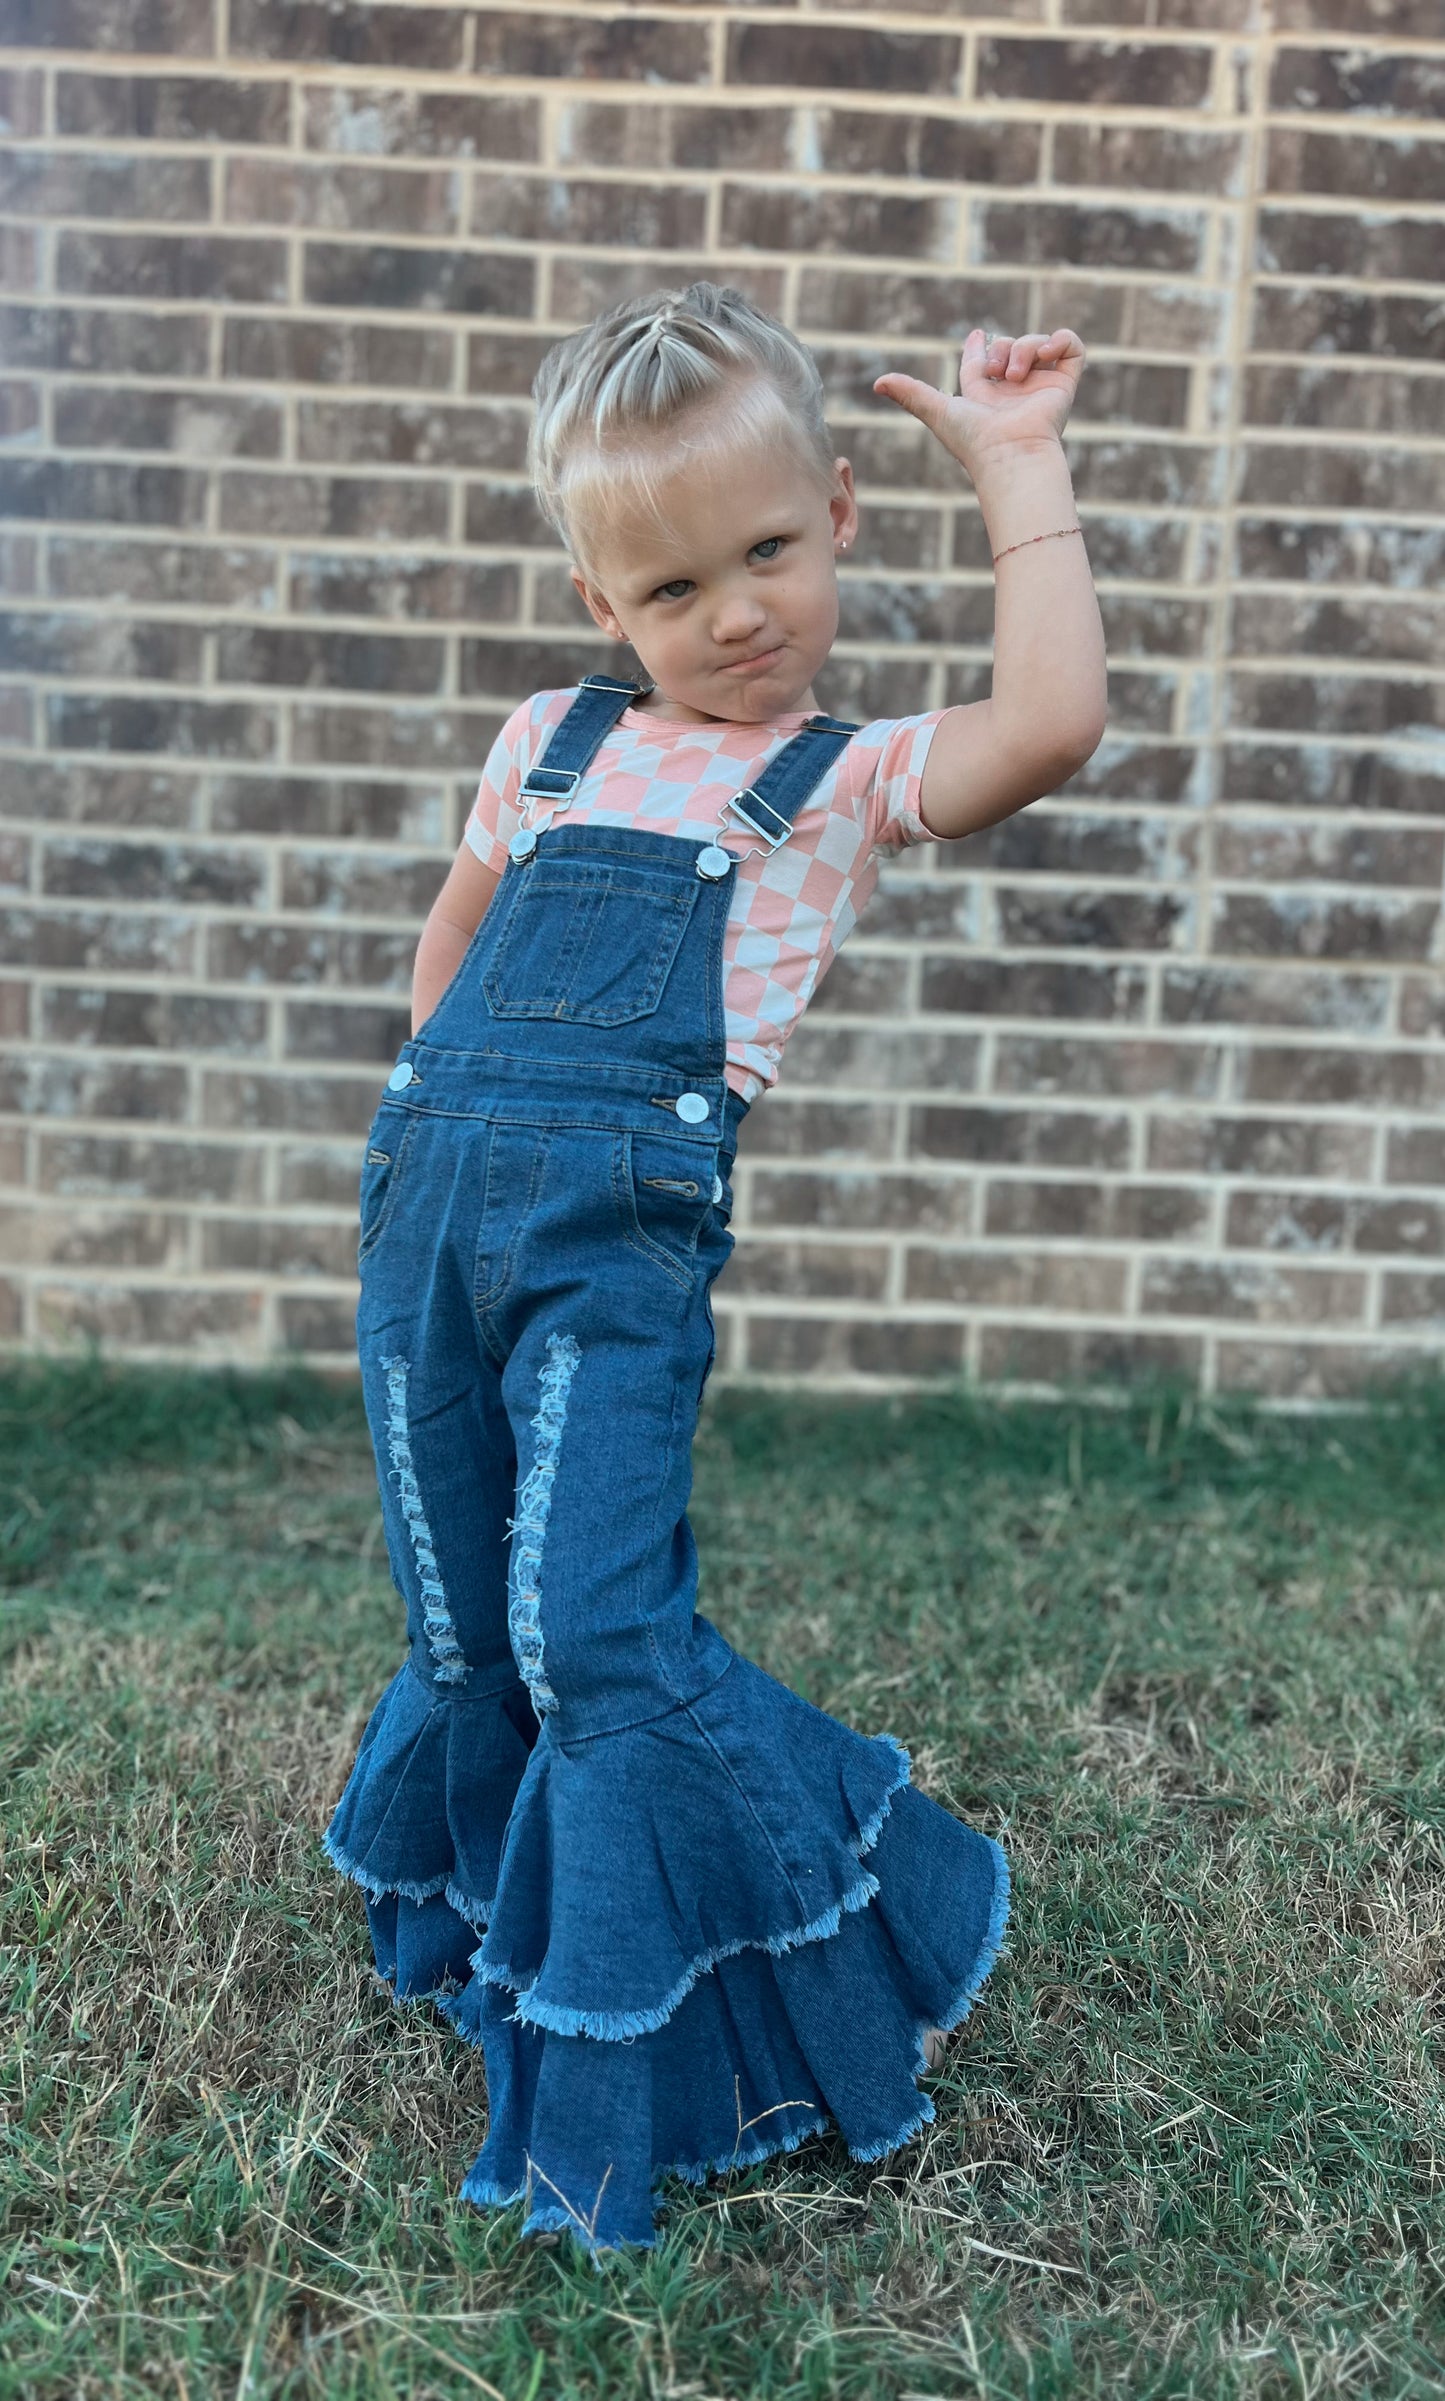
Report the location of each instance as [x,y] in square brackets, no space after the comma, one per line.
[622,1858]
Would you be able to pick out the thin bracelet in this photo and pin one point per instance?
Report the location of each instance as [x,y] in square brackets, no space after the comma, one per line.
[1053,537]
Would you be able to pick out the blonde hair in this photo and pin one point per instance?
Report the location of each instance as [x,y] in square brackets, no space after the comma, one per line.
[624,401]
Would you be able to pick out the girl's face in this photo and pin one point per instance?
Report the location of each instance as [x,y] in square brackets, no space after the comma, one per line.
[733,611]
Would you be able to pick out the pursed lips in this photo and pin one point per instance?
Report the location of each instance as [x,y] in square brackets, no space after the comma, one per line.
[759,658]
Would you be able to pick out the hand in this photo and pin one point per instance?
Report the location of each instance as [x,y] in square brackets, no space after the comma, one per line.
[1008,392]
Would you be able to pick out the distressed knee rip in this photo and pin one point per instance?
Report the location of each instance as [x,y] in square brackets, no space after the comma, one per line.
[441,1633]
[529,1526]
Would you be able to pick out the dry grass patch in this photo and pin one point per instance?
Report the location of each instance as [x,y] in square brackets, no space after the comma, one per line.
[1190,1669]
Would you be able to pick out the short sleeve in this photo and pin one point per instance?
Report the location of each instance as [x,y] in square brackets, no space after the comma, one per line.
[495,813]
[889,756]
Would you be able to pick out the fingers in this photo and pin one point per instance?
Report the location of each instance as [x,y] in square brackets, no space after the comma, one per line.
[920,399]
[1009,359]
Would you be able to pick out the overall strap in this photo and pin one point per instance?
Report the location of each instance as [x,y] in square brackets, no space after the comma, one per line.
[769,807]
[575,743]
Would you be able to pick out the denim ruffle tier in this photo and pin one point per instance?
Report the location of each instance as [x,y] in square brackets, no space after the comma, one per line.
[707,1936]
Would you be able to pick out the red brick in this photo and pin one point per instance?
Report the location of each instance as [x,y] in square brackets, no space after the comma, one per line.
[299,1247]
[98,940]
[172,108]
[100,489]
[335,507]
[861,1202]
[1032,1354]
[1267,1294]
[88,183]
[311,1324]
[809,1270]
[878,1060]
[105,341]
[1312,1371]
[884,225]
[1304,926]
[1416,1299]
[341,199]
[218,425]
[1079,1282]
[323,350]
[410,434]
[1360,79]
[392,275]
[164,574]
[145,1317]
[1415,1155]
[185,728]
[1110,74]
[898,1348]
[856,58]
[1076,1211]
[1020,1137]
[125,872]
[552,209]
[150,1168]
[233,1101]
[1364,1075]
[821,1130]
[393,122]
[185,28]
[361,32]
[1268,1146]
[171,266]
[1207,995]
[131,1019]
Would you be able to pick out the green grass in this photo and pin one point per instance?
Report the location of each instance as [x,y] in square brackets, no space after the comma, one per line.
[1185,1662]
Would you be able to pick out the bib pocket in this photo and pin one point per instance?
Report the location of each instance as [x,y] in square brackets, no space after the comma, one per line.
[585,941]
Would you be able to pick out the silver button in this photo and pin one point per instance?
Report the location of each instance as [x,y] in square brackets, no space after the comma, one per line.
[691,1107]
[713,863]
[717,1190]
[522,844]
[401,1076]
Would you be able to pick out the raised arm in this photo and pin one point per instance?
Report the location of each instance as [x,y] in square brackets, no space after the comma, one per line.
[455,914]
[1046,712]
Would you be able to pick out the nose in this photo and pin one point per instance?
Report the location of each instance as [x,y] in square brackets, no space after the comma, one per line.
[738,617]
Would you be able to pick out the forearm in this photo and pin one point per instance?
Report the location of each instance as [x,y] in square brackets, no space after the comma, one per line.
[1049,685]
[439,954]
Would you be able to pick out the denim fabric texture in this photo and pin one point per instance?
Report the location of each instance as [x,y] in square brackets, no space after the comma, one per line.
[689,1918]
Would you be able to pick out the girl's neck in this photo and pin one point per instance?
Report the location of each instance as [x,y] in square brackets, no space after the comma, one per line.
[657,704]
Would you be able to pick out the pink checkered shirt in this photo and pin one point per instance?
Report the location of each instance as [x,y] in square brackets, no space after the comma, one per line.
[792,907]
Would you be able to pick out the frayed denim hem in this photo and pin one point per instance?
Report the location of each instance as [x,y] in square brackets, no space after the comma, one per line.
[616,2025]
[959,2007]
[376,1888]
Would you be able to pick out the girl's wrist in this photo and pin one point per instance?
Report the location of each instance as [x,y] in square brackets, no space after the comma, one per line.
[1024,491]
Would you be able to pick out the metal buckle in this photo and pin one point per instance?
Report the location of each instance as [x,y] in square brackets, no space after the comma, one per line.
[567,777]
[735,808]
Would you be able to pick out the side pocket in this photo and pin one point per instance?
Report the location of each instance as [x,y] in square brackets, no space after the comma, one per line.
[381,1172]
[664,1191]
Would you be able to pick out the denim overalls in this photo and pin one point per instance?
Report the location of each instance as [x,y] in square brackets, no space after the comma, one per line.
[621,1857]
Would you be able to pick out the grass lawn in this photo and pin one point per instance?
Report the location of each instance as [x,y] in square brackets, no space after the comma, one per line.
[1186,1663]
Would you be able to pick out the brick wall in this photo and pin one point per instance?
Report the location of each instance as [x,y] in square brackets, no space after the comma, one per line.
[1148,1077]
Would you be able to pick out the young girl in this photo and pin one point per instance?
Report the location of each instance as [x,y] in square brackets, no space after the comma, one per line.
[690,1918]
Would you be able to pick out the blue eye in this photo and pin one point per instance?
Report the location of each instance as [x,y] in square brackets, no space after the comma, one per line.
[773,543]
[672,591]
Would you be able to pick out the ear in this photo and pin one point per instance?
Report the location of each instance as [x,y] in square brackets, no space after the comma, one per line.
[843,507]
[596,605]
